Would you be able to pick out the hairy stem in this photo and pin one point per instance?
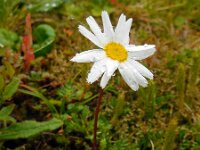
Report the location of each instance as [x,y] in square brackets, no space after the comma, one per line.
[96,116]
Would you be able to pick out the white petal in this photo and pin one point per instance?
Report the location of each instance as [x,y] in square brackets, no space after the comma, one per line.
[111,67]
[89,56]
[140,52]
[120,24]
[90,36]
[96,71]
[104,80]
[119,30]
[127,76]
[127,31]
[138,77]
[103,38]
[97,30]
[141,69]
[122,30]
[107,26]
[93,25]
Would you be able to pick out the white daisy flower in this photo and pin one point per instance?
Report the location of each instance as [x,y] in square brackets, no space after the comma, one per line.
[114,53]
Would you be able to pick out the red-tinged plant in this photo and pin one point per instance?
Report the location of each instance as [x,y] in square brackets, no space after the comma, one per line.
[113,2]
[27,44]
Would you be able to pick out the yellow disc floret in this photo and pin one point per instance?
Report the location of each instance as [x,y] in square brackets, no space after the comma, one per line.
[116,51]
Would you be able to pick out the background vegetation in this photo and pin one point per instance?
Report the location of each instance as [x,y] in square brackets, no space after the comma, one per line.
[45,102]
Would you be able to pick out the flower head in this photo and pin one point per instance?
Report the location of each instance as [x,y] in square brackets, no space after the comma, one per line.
[114,53]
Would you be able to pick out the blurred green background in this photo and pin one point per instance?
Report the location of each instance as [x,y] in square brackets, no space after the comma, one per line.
[46,103]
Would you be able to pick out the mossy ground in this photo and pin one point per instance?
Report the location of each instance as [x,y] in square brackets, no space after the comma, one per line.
[165,115]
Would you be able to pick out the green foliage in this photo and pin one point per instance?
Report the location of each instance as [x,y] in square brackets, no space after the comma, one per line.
[123,145]
[67,91]
[44,5]
[70,91]
[45,36]
[194,72]
[170,135]
[9,90]
[34,92]
[179,21]
[7,8]
[70,9]
[96,8]
[180,85]
[165,98]
[5,112]
[9,70]
[43,32]
[79,115]
[149,98]
[2,82]
[8,39]
[29,129]
[118,109]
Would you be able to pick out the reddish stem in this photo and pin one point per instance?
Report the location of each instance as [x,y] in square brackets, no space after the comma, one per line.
[27,44]
[96,116]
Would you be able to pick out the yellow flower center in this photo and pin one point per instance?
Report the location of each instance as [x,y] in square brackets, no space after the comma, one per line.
[116,51]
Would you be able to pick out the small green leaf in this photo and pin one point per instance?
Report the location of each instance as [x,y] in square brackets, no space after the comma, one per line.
[43,32]
[43,48]
[10,89]
[9,69]
[7,118]
[45,36]
[179,21]
[5,112]
[8,38]
[2,83]
[28,129]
